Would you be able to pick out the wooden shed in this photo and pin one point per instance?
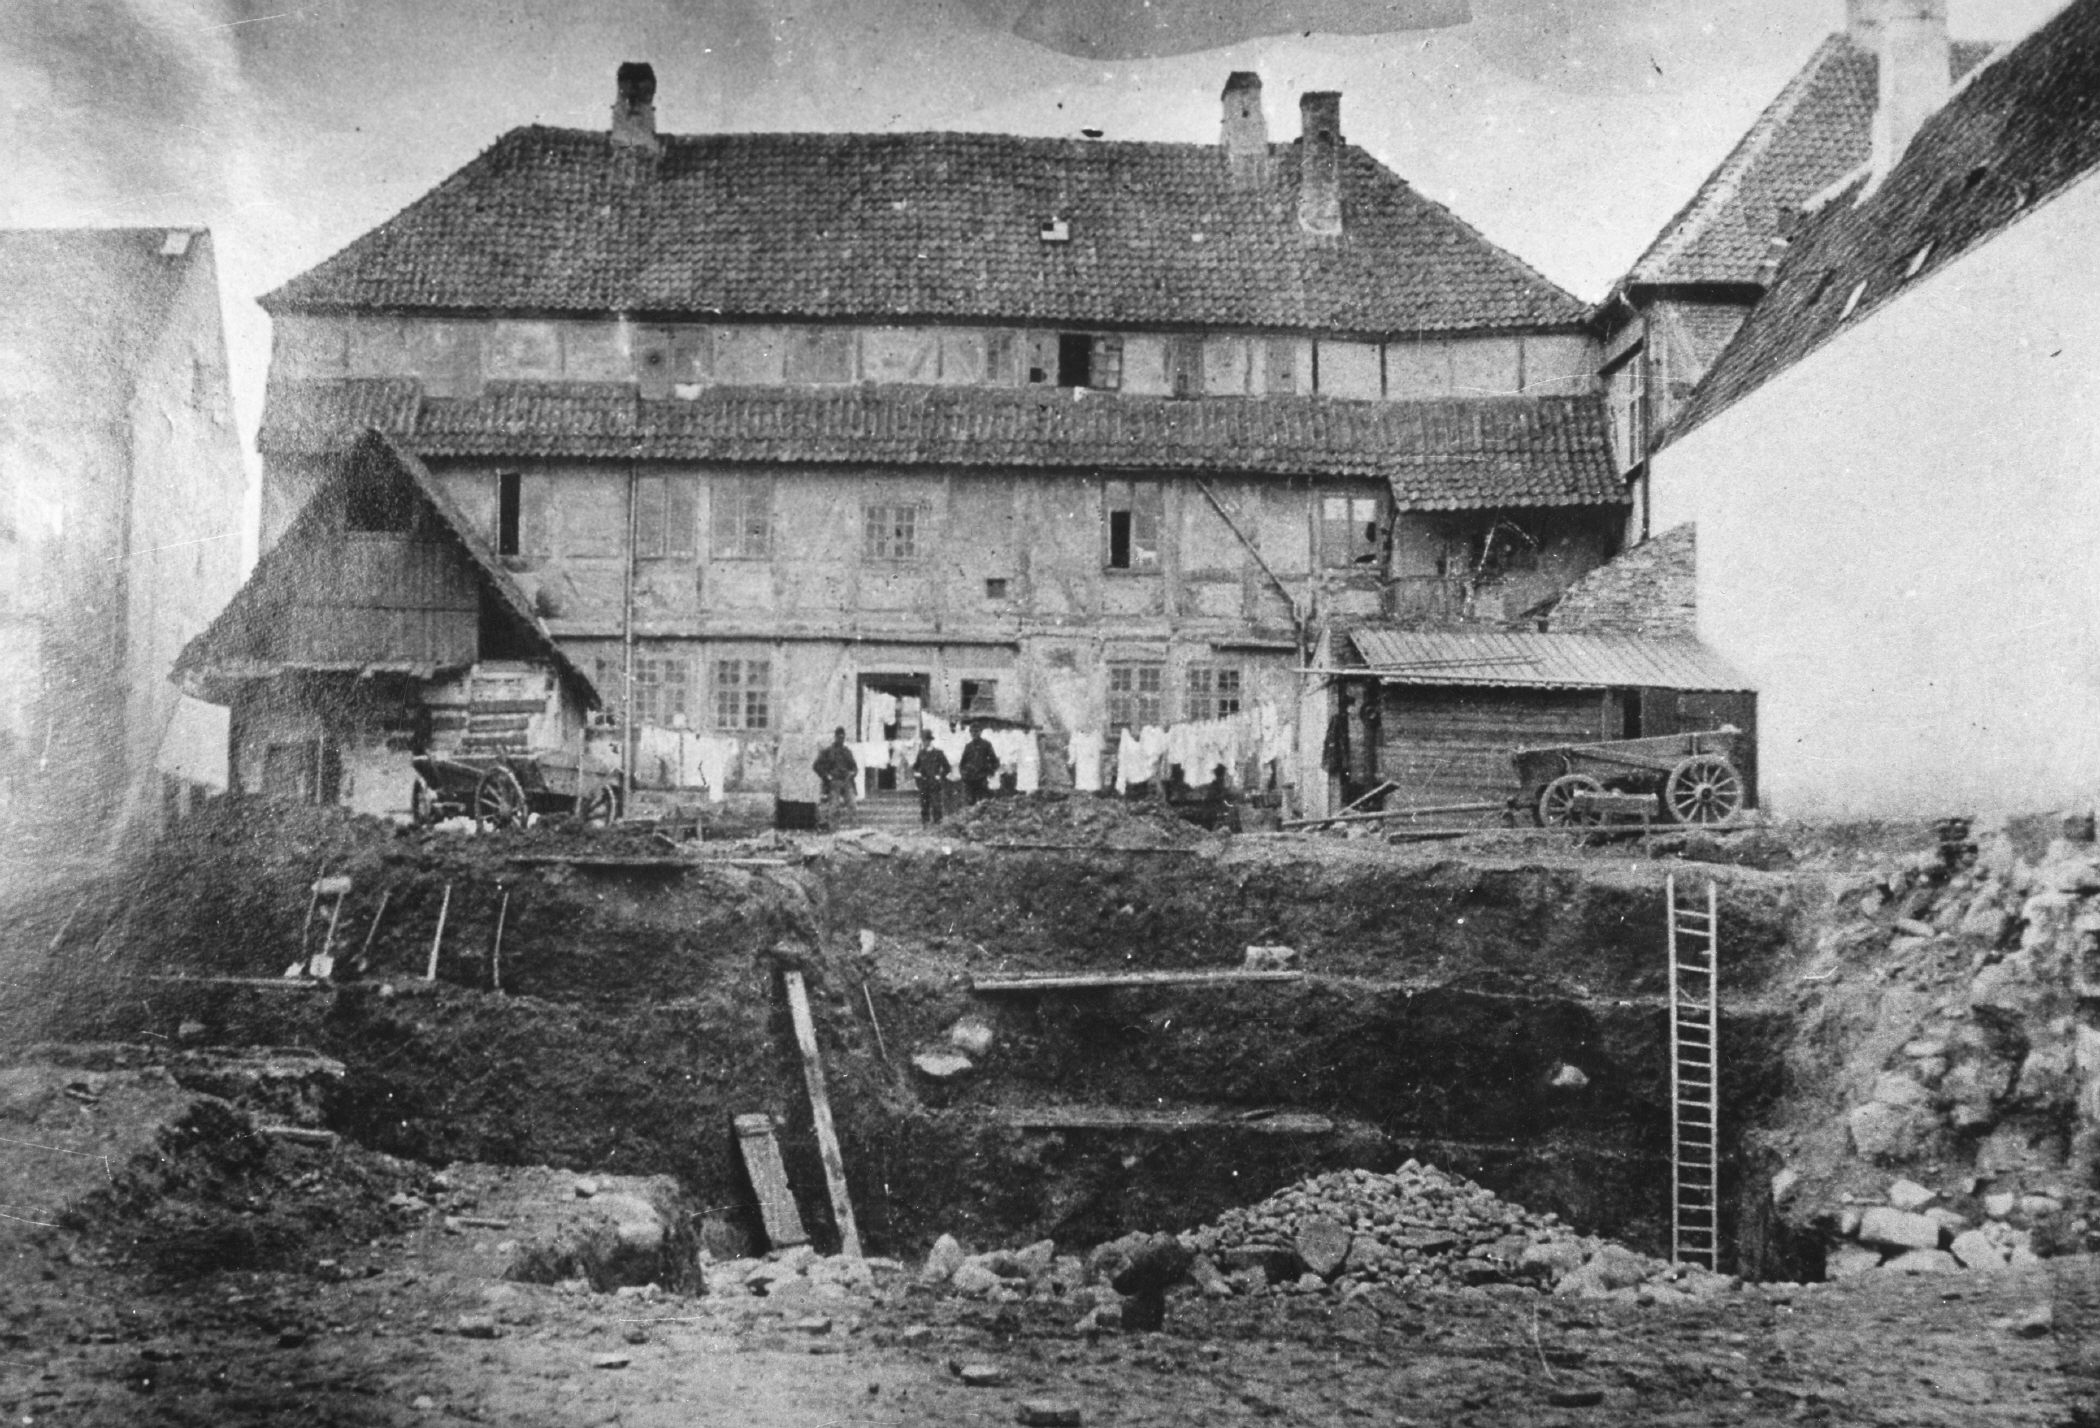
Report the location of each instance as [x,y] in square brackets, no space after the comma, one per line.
[1448,707]
[381,626]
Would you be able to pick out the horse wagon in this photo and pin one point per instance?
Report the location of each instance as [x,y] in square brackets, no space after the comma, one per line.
[503,790]
[1690,778]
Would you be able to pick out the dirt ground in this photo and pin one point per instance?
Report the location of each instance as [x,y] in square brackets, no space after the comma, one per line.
[374,1339]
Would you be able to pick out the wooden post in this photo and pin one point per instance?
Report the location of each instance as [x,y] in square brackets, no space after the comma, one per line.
[364,953]
[496,952]
[444,907]
[820,1112]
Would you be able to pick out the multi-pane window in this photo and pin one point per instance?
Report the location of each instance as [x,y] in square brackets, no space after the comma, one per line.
[663,516]
[660,691]
[743,694]
[1214,692]
[1349,530]
[1131,515]
[743,518]
[891,533]
[1134,695]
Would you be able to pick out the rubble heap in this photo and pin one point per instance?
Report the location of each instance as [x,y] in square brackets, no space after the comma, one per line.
[1081,819]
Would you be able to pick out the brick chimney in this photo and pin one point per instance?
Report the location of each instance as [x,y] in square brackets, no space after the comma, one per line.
[634,110]
[1320,163]
[1909,39]
[1244,132]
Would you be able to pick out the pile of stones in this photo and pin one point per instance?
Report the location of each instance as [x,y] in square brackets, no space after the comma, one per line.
[1420,1228]
[1911,1234]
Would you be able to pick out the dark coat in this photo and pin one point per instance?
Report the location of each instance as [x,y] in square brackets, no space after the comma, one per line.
[931,766]
[836,761]
[980,761]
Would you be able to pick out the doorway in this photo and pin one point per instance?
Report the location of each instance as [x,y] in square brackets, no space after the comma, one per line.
[890,709]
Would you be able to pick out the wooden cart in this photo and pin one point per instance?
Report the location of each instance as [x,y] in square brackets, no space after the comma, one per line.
[501,790]
[1689,778]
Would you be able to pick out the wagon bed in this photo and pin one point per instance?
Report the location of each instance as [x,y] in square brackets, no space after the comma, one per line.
[503,790]
[1692,777]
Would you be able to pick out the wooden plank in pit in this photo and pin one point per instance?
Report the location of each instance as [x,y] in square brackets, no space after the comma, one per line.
[820,1112]
[1091,980]
[776,1202]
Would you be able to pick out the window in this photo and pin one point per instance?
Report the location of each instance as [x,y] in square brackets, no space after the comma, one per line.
[660,690]
[1349,530]
[1131,513]
[508,497]
[980,698]
[1214,693]
[663,516]
[995,587]
[1075,359]
[891,533]
[1134,695]
[743,694]
[1002,359]
[1105,363]
[743,518]
[1185,366]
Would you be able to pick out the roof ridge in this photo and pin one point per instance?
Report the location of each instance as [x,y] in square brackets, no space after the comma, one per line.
[1688,223]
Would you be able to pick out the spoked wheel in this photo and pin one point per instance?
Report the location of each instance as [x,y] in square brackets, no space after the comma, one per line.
[1557,808]
[599,807]
[1704,789]
[499,801]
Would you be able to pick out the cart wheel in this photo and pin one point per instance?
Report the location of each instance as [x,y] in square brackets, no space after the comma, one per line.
[1704,789]
[1556,806]
[599,808]
[499,801]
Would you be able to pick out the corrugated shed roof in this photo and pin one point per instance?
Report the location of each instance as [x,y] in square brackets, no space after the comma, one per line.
[2023,129]
[1459,453]
[243,628]
[930,226]
[1815,132]
[1526,659]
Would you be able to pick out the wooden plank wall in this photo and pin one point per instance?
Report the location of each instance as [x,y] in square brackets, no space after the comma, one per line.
[385,599]
[1453,745]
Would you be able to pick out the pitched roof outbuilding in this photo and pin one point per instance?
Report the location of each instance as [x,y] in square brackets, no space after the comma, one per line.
[1460,453]
[2022,130]
[939,225]
[1521,659]
[1815,132]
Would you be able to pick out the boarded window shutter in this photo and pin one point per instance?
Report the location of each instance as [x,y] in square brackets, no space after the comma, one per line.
[652,362]
[680,518]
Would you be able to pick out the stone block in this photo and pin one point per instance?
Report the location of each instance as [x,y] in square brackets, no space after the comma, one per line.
[974,1278]
[1618,1267]
[1850,1262]
[942,1261]
[1322,1245]
[2000,1205]
[971,1036]
[1883,1132]
[1921,1261]
[1899,1088]
[1898,1229]
[943,1065]
[1910,1195]
[1976,1251]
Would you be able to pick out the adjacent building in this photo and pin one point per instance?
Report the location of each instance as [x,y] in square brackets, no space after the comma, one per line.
[121,499]
[777,433]
[1686,296]
[1891,467]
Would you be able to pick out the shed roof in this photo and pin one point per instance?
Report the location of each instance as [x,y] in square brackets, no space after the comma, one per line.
[2022,130]
[1815,132]
[1527,659]
[1457,453]
[934,225]
[229,645]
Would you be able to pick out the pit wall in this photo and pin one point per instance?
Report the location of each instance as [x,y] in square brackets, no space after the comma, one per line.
[1447,1005]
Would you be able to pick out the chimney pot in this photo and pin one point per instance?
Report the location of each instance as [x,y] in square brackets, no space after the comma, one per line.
[1320,163]
[634,107]
[1244,132]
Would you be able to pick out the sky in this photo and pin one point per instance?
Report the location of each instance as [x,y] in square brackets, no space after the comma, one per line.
[1568,131]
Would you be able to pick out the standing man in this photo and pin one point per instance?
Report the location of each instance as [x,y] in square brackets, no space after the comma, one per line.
[980,765]
[930,772]
[839,772]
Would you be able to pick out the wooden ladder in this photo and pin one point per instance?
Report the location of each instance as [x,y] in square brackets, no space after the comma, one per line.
[1695,1102]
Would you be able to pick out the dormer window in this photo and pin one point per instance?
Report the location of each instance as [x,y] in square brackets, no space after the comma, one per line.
[1055,230]
[1917,261]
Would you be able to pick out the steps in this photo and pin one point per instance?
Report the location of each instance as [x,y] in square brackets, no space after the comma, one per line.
[891,812]
[1695,1060]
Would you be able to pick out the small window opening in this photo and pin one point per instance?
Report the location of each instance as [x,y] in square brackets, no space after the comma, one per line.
[1917,261]
[995,587]
[1055,230]
[1119,540]
[1075,359]
[980,698]
[507,499]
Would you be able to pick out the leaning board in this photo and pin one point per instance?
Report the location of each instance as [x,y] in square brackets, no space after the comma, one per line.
[776,1203]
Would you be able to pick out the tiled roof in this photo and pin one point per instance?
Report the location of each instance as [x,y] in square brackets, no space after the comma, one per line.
[243,639]
[926,226]
[1527,659]
[1457,453]
[83,305]
[2023,129]
[1816,131]
[1649,590]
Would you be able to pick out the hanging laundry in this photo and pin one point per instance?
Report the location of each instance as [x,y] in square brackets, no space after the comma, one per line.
[1084,752]
[714,756]
[1152,742]
[1130,762]
[1028,765]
